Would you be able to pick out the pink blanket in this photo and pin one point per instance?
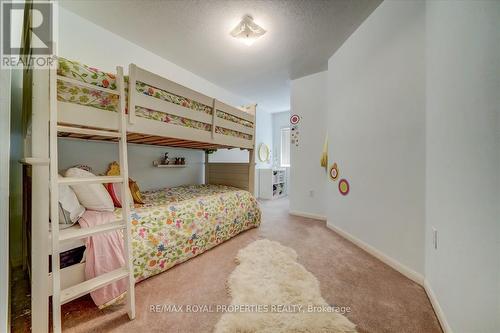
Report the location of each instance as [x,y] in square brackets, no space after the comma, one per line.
[104,254]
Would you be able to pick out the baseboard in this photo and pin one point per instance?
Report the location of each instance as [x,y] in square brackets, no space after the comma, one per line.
[408,272]
[307,215]
[437,308]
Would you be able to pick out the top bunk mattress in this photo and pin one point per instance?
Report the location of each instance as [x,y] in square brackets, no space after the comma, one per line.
[71,92]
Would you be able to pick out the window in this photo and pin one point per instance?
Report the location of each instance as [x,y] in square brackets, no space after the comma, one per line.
[285,147]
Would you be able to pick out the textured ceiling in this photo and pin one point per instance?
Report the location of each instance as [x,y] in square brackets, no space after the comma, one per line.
[301,36]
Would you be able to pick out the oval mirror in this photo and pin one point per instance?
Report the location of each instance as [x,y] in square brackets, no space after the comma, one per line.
[263,152]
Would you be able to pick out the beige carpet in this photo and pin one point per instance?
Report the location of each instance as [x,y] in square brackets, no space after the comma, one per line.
[382,300]
[272,293]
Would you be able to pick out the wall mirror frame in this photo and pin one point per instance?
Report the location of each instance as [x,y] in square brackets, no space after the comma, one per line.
[263,152]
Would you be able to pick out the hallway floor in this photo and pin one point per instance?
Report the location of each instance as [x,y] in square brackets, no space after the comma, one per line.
[380,298]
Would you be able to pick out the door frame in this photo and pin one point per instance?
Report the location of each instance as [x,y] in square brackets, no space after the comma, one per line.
[5,90]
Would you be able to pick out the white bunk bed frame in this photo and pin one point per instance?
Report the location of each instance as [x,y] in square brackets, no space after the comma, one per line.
[88,123]
[89,117]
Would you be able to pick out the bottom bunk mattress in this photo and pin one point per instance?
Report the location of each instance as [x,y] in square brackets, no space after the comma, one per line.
[176,224]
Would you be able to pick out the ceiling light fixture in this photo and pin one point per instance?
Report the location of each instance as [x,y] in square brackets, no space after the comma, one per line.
[247,31]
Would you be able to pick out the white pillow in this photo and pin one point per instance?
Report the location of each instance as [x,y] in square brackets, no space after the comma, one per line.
[91,196]
[70,209]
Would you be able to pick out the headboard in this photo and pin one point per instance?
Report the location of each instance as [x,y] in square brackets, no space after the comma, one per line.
[231,174]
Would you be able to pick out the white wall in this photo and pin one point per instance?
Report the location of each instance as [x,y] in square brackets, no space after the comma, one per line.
[98,155]
[414,124]
[84,41]
[263,134]
[463,162]
[376,118]
[307,177]
[280,120]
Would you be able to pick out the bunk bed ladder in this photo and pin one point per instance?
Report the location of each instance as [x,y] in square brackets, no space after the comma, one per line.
[61,296]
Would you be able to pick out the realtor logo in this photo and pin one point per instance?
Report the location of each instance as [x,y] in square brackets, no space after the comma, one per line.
[33,23]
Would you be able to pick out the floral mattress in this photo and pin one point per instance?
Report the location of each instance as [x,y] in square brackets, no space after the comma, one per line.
[176,224]
[73,93]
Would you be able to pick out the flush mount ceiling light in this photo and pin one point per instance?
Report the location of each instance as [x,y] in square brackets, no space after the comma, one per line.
[247,31]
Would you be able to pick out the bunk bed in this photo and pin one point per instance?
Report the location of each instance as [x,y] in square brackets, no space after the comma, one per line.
[174,224]
[160,112]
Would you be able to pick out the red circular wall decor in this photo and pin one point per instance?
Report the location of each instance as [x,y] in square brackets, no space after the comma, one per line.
[344,187]
[294,119]
[334,172]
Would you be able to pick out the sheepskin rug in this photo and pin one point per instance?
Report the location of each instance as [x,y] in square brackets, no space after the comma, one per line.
[273,286]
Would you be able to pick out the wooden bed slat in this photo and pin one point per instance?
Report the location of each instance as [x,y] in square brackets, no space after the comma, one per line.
[231,174]
[154,140]
[145,139]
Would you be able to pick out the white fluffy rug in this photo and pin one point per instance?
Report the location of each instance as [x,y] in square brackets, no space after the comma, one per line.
[272,293]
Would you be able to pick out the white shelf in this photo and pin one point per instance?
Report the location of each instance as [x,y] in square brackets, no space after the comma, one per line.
[271,183]
[171,165]
[158,165]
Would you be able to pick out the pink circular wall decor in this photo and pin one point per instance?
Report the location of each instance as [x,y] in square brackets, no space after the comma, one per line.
[294,119]
[344,187]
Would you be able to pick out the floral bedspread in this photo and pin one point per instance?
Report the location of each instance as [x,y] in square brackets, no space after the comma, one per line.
[73,93]
[178,223]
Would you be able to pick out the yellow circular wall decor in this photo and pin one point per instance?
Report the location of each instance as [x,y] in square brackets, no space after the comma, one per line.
[334,172]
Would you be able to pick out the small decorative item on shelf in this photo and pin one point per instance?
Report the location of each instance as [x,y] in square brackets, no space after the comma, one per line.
[166,160]
[170,162]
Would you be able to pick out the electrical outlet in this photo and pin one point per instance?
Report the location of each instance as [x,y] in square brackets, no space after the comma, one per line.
[435,238]
[311,193]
